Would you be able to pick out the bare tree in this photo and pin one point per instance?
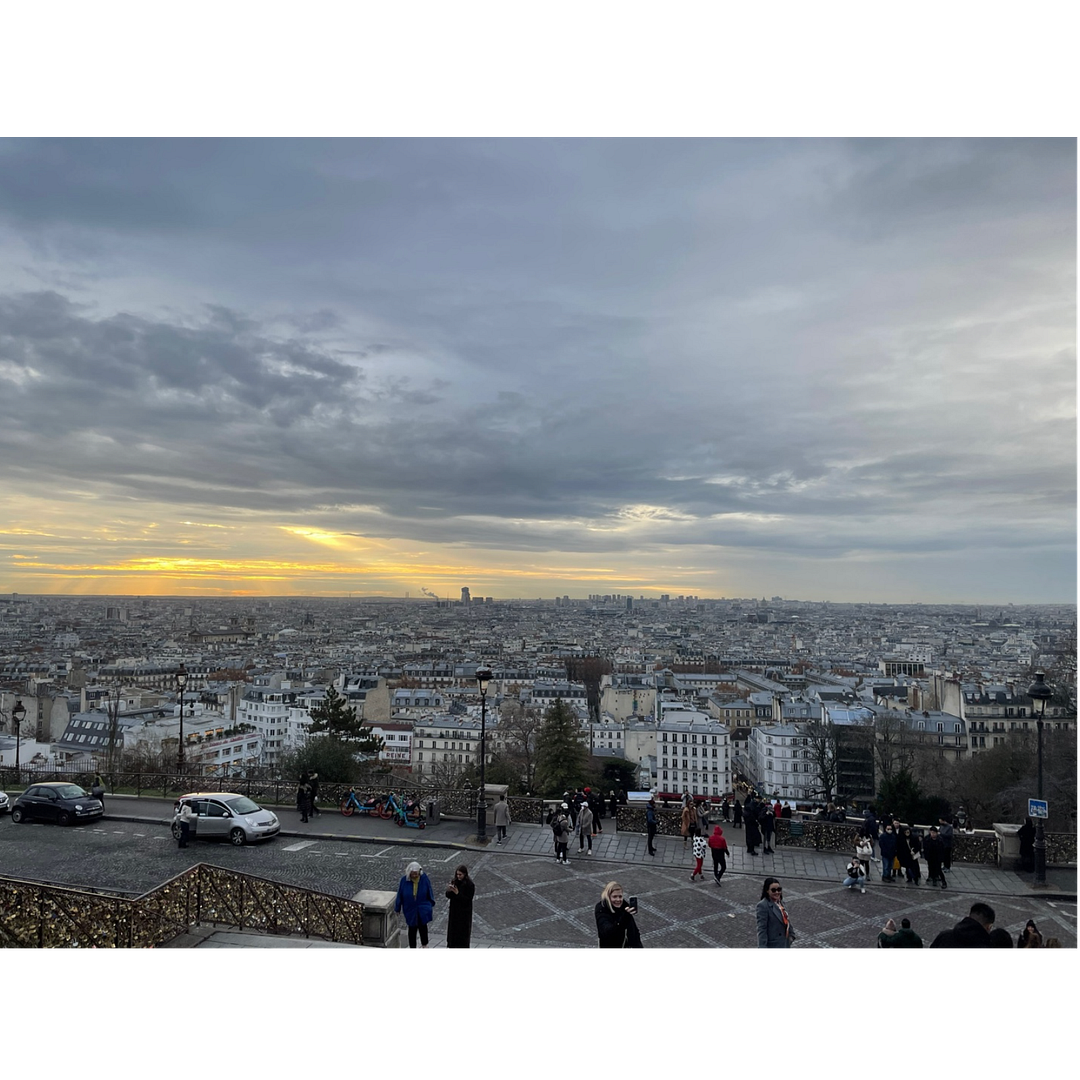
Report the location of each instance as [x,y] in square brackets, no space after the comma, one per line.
[516,737]
[821,744]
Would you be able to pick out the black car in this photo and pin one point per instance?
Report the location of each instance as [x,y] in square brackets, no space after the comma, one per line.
[60,802]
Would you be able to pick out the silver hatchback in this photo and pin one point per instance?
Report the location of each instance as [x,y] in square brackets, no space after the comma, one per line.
[224,815]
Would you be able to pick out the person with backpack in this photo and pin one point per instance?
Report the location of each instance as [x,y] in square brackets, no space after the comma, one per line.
[560,829]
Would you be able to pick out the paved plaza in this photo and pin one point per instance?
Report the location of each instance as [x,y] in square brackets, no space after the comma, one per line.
[524,898]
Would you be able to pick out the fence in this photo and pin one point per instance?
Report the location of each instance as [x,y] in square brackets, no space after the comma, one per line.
[52,916]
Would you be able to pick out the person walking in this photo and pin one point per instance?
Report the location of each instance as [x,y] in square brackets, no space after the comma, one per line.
[855,875]
[460,893]
[905,937]
[652,825]
[502,818]
[701,845]
[416,902]
[313,802]
[185,824]
[972,932]
[736,810]
[774,930]
[718,849]
[887,849]
[945,832]
[615,925]
[584,827]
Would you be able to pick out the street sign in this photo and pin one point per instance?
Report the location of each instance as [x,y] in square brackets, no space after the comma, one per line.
[1038,808]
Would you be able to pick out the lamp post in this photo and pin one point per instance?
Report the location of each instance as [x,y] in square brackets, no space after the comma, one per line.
[18,711]
[1040,694]
[483,677]
[181,682]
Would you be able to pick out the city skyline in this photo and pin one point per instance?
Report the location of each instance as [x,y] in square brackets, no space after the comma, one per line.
[824,369]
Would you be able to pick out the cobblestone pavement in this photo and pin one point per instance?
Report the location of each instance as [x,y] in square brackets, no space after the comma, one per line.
[525,899]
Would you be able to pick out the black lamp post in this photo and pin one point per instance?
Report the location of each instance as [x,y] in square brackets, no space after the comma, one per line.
[18,711]
[483,677]
[181,682]
[1040,694]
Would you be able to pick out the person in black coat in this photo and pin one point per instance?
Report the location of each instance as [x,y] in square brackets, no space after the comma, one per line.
[753,829]
[934,853]
[459,919]
[313,783]
[767,818]
[737,811]
[887,847]
[613,804]
[970,933]
[1026,835]
[615,925]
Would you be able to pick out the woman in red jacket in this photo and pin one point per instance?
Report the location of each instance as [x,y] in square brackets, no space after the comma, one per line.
[718,849]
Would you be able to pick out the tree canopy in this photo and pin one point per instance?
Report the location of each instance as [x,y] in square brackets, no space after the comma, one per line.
[561,756]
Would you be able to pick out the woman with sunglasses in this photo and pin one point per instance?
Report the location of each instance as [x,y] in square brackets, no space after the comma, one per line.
[774,930]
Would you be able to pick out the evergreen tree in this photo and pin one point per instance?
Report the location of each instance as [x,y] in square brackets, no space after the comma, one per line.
[337,719]
[561,757]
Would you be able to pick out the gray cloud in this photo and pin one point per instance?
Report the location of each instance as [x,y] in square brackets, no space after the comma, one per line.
[807,347]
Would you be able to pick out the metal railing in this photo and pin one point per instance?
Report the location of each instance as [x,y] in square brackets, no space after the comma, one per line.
[36,915]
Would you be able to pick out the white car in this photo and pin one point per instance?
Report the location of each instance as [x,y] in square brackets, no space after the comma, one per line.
[5,803]
[219,815]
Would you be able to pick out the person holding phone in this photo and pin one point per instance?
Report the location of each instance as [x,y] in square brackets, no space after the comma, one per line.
[615,925]
[459,918]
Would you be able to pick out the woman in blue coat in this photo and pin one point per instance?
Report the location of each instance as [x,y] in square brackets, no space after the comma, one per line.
[416,902]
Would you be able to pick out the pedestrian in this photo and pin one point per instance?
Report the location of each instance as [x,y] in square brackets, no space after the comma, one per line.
[702,808]
[907,851]
[945,834]
[615,925]
[613,804]
[502,818]
[185,824]
[303,799]
[416,902]
[560,829]
[864,852]
[701,845]
[870,825]
[972,932]
[1029,937]
[887,936]
[962,819]
[1026,835]
[459,918]
[1000,938]
[725,808]
[753,830]
[718,848]
[887,848]
[934,853]
[768,826]
[778,808]
[596,805]
[855,875]
[786,811]
[299,788]
[774,930]
[906,938]
[651,825]
[738,814]
[688,822]
[97,789]
[313,804]
[584,827]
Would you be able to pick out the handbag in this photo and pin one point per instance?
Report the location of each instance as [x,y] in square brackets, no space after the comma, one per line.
[895,863]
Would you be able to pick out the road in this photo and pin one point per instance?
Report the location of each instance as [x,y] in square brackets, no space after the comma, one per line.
[521,899]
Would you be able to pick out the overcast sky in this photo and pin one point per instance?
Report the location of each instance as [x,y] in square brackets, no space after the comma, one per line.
[823,369]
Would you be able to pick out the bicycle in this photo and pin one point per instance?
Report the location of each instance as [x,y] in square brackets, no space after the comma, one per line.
[351,804]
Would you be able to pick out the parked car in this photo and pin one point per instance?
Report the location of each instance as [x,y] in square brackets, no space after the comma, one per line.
[223,815]
[56,801]
[5,803]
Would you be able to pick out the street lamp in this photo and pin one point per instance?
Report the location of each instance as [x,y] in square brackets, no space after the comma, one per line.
[18,711]
[181,682]
[483,677]
[1040,694]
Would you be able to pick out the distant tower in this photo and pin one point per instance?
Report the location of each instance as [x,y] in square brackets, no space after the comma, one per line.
[465,598]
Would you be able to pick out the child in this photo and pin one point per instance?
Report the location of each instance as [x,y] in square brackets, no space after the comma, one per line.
[701,845]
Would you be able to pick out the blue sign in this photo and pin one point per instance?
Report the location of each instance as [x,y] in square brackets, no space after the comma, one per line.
[1038,808]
